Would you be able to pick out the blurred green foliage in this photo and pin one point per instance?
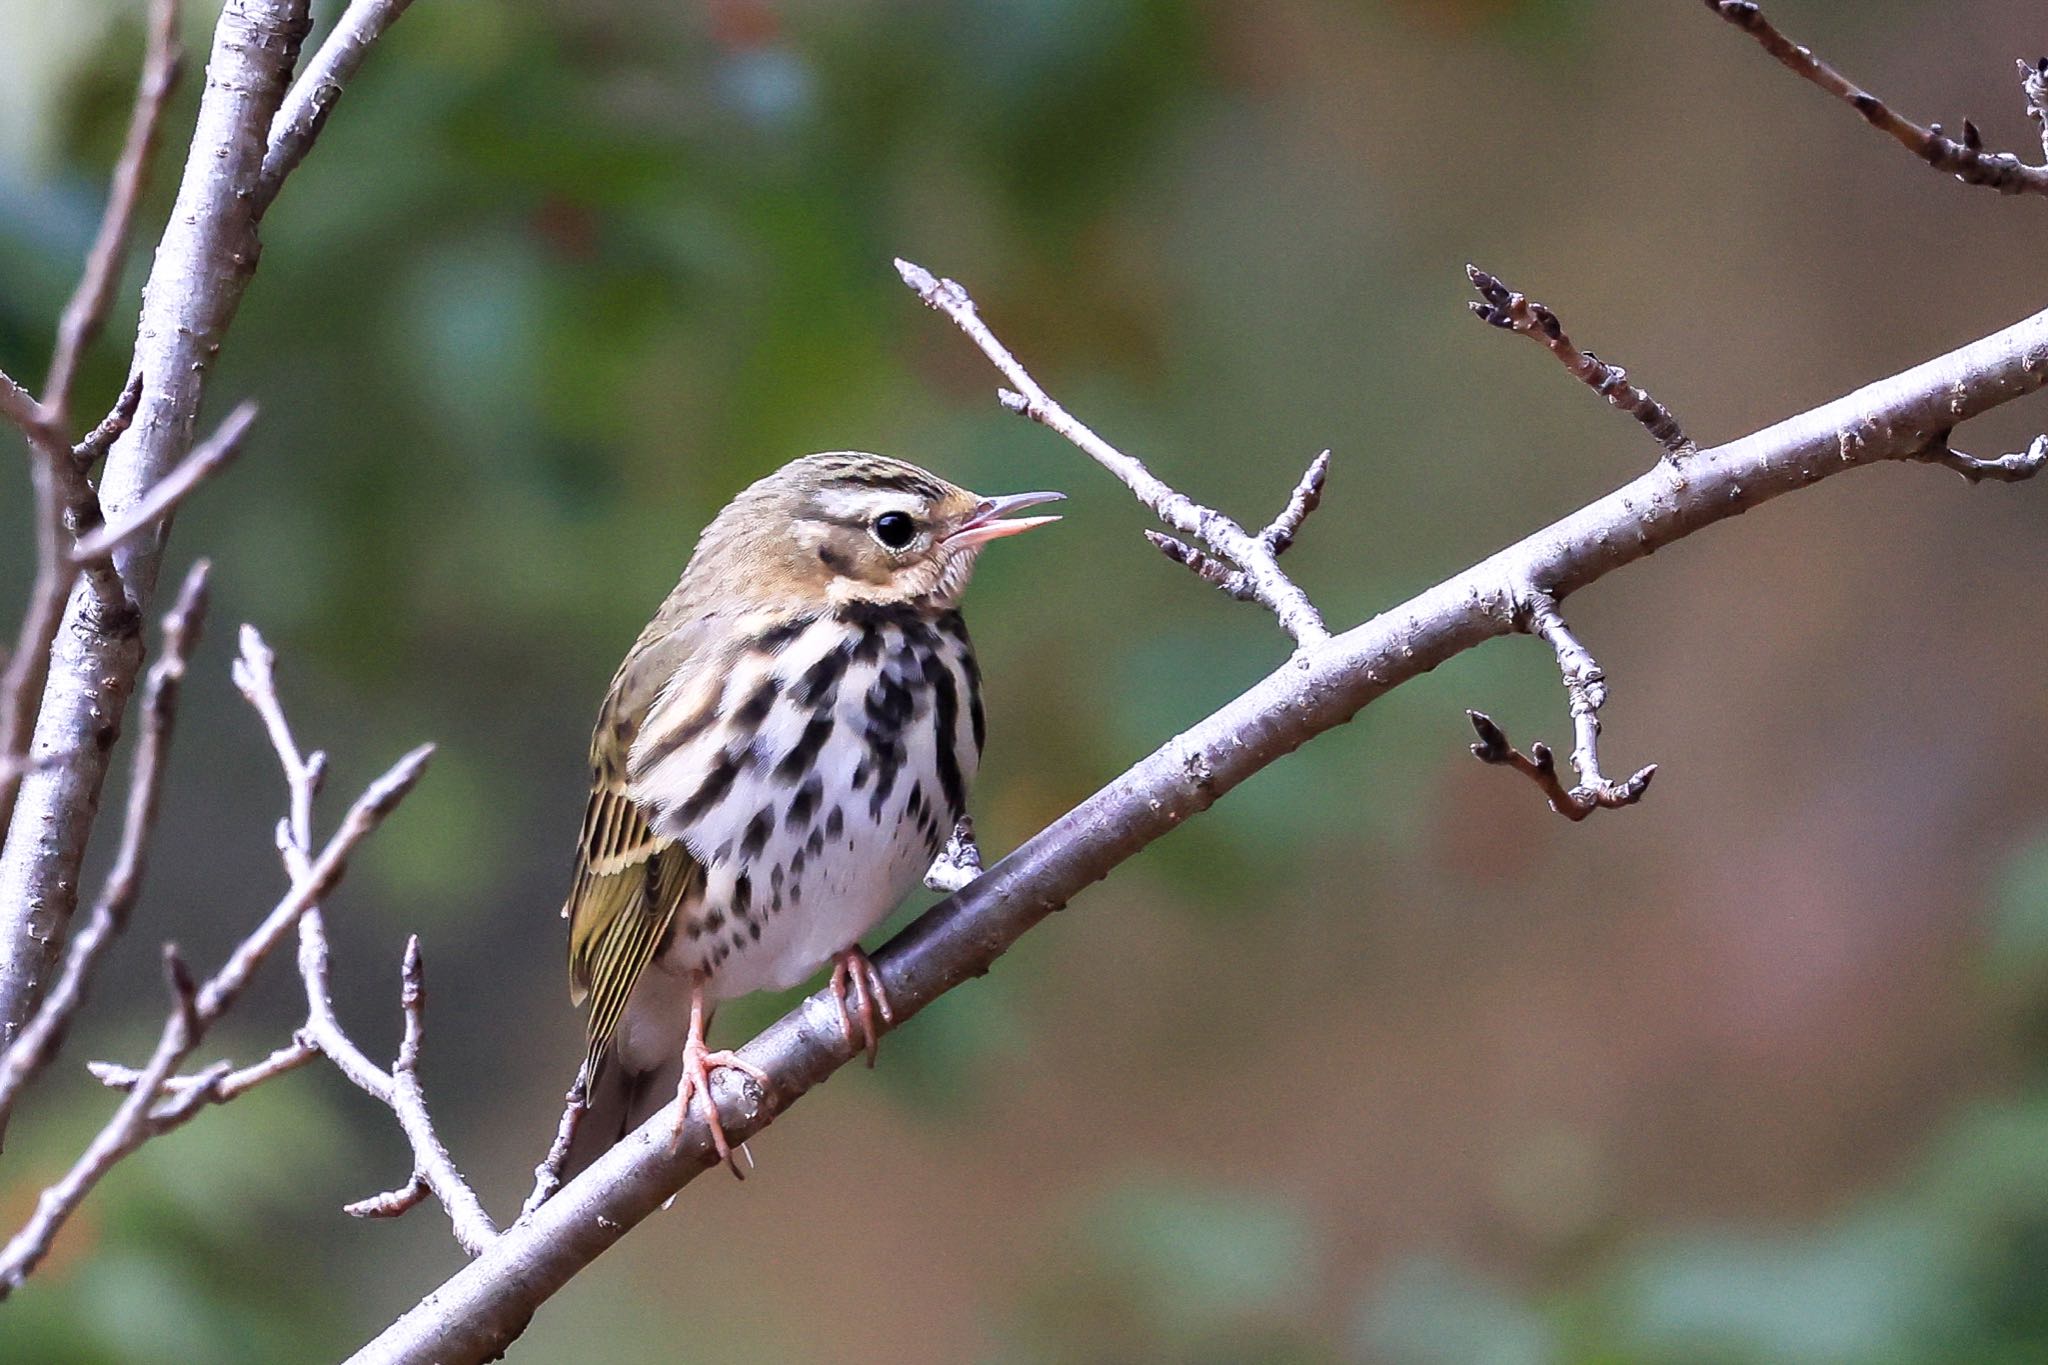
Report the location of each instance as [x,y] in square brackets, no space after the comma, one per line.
[1370,1063]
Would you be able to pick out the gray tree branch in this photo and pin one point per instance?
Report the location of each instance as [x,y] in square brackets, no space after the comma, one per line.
[1966,159]
[250,132]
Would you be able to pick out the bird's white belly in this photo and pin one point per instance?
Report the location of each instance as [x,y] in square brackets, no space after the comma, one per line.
[819,831]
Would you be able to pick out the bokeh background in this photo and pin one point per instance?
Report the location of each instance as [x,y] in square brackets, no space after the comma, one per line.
[1377,1061]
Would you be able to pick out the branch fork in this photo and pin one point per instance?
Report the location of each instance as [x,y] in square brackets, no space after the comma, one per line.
[1585,684]
[1215,547]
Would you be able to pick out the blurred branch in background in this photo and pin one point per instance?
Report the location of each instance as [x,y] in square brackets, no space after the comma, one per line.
[254,125]
[195,1010]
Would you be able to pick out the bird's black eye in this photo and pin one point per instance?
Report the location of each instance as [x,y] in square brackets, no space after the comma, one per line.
[895,529]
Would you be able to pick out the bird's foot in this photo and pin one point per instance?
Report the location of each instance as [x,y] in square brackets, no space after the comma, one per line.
[698,1064]
[854,973]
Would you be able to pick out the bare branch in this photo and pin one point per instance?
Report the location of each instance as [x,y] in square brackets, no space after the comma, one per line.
[959,862]
[547,1177]
[1307,497]
[37,1044]
[206,460]
[1966,160]
[93,447]
[313,95]
[256,677]
[1504,308]
[201,266]
[2012,468]
[128,1129]
[140,1117]
[1585,684]
[391,1203]
[435,1169]
[1539,765]
[1251,556]
[87,310]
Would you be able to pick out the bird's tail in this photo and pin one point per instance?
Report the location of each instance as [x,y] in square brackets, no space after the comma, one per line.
[616,1101]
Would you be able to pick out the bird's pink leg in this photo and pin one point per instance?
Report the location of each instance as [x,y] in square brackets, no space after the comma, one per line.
[698,1064]
[854,968]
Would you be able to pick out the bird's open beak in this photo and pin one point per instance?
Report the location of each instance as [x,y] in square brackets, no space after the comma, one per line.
[984,526]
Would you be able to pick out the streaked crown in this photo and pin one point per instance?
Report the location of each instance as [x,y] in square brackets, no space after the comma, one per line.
[846,526]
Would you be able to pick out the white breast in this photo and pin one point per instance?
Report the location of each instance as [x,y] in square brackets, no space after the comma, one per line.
[833,774]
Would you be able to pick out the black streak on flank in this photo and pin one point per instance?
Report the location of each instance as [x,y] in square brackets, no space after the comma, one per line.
[804,804]
[806,749]
[716,783]
[742,895]
[835,823]
[756,707]
[756,837]
[677,738]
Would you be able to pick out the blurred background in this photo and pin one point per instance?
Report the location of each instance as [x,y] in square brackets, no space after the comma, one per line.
[1757,1071]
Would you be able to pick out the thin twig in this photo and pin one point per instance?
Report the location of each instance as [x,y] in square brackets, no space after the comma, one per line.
[2011,468]
[163,497]
[547,1177]
[128,1129]
[87,310]
[1585,685]
[1502,307]
[1253,572]
[93,446]
[140,1117]
[313,95]
[1966,160]
[255,675]
[1307,497]
[436,1169]
[37,1044]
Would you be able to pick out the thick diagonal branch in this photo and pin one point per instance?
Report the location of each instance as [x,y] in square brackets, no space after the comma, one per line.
[484,1306]
[1242,564]
[1966,160]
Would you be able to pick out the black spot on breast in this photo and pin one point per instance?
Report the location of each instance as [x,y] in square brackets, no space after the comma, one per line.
[714,921]
[807,748]
[945,723]
[835,823]
[820,682]
[804,804]
[772,640]
[755,838]
[742,895]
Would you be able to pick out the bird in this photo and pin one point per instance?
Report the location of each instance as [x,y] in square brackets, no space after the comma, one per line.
[781,755]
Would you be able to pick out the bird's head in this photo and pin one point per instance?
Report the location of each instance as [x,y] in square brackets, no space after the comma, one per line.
[845,526]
